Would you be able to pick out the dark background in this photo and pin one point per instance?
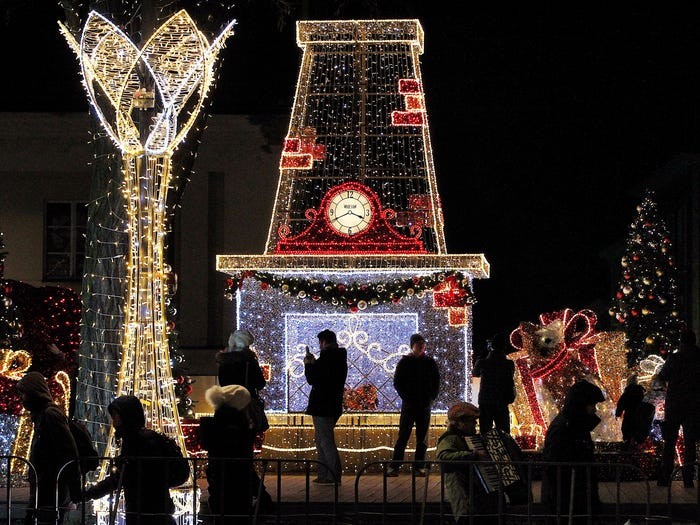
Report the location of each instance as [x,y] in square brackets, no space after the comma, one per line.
[546,124]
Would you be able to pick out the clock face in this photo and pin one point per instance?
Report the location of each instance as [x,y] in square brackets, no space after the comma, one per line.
[349,212]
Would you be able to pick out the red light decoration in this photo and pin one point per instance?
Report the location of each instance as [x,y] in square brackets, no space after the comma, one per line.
[322,238]
[409,85]
[360,399]
[414,103]
[266,370]
[407,118]
[301,152]
[560,365]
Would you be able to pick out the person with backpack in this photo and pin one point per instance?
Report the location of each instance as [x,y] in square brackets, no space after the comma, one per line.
[51,448]
[140,468]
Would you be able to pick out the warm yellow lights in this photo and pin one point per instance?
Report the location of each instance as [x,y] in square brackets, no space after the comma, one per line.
[147,100]
[14,363]
[180,63]
[475,265]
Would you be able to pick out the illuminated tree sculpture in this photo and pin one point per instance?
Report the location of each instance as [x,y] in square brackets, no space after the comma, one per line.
[646,302]
[147,100]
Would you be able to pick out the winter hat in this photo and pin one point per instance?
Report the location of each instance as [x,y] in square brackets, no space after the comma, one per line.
[461,410]
[416,338]
[130,411]
[240,340]
[234,396]
[35,386]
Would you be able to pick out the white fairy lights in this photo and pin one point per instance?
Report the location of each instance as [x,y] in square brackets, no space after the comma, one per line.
[147,100]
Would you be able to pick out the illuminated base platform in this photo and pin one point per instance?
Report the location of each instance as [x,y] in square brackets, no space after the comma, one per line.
[361,438]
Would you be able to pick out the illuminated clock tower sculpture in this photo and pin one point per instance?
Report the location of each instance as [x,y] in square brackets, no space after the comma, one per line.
[356,241]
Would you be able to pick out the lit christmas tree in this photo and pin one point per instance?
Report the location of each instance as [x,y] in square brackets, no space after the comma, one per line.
[646,302]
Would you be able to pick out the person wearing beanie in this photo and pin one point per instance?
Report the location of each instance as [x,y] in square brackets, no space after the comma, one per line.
[568,440]
[417,381]
[146,493]
[680,372]
[228,436]
[497,386]
[238,364]
[452,446]
[51,448]
[327,376]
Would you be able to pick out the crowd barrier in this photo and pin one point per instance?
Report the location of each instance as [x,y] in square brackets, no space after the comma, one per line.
[421,506]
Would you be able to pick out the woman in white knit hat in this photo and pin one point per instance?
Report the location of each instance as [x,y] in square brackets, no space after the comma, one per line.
[238,364]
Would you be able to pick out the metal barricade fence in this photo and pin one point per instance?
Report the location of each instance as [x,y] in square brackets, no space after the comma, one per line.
[8,477]
[256,470]
[419,508]
[559,508]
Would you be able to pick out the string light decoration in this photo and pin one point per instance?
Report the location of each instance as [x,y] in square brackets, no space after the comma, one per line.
[356,241]
[176,64]
[39,329]
[562,348]
[645,305]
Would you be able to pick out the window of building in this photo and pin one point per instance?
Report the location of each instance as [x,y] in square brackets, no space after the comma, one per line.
[64,240]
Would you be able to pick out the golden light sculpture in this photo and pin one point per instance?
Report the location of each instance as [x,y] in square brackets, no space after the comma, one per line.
[147,99]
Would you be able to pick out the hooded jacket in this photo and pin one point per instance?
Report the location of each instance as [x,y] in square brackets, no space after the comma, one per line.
[228,436]
[327,375]
[52,445]
[144,483]
[568,440]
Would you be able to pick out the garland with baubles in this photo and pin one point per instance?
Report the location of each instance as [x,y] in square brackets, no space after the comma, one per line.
[358,296]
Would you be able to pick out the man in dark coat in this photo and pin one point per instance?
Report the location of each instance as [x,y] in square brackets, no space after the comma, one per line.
[326,375]
[568,440]
[51,448]
[417,381]
[681,372]
[146,493]
[497,388]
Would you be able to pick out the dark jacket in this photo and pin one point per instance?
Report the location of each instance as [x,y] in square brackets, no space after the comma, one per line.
[231,486]
[232,370]
[496,372]
[681,371]
[568,440]
[417,380]
[628,407]
[144,484]
[327,375]
[51,448]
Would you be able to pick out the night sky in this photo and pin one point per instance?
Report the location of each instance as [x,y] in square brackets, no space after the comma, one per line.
[546,124]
